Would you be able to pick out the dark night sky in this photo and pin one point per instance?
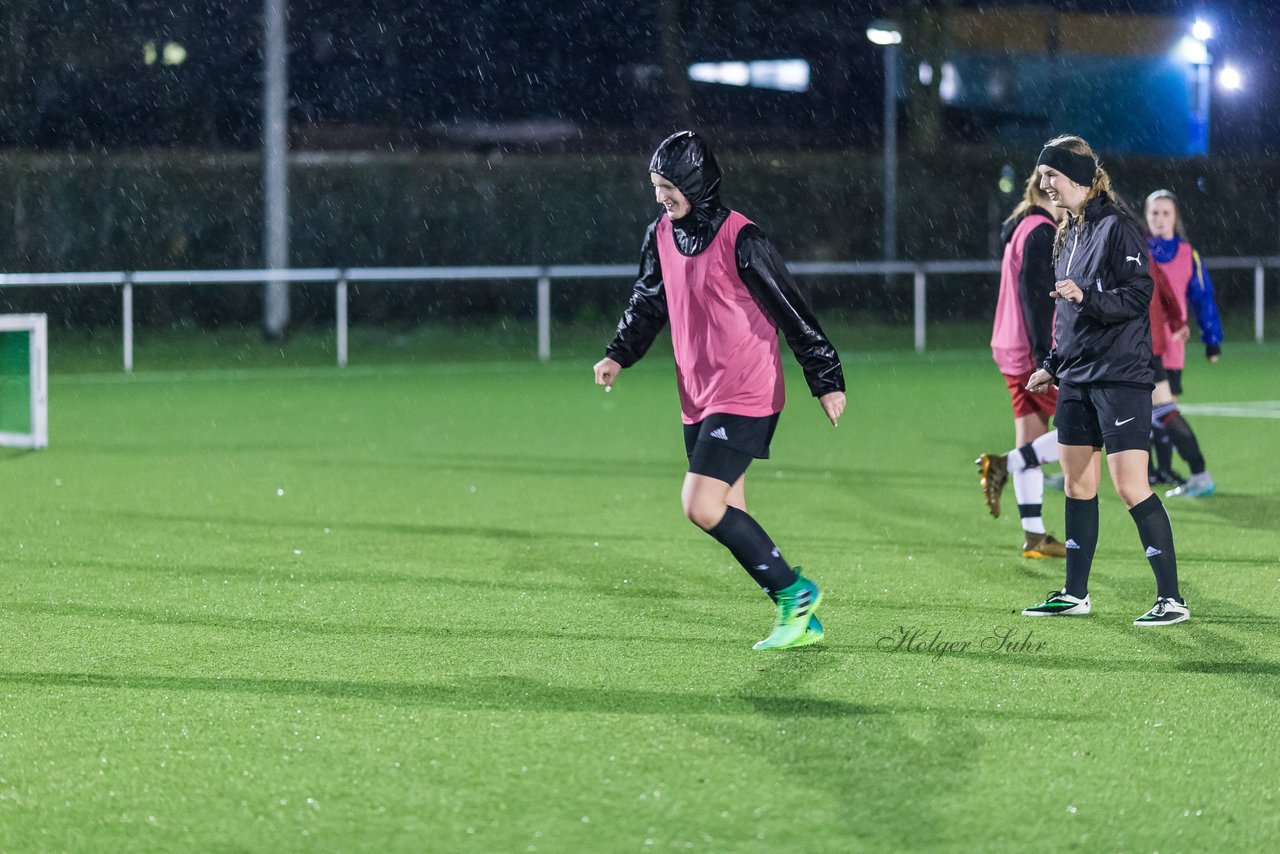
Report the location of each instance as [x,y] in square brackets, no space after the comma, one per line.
[404,70]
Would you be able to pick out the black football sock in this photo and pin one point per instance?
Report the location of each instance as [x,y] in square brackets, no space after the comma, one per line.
[1157,537]
[748,542]
[1184,439]
[1163,449]
[1082,541]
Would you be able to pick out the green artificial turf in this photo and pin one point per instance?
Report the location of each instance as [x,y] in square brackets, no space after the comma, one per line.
[15,382]
[455,607]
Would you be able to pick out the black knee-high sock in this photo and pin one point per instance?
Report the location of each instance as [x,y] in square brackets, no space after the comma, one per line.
[743,536]
[1082,541]
[1157,536]
[1163,447]
[1184,439]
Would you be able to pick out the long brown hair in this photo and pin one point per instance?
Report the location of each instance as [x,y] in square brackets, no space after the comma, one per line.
[1101,184]
[1032,197]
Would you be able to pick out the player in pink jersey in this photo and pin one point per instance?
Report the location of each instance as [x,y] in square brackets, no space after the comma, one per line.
[1193,290]
[718,280]
[1021,337]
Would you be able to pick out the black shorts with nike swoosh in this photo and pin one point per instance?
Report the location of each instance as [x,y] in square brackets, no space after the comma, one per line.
[722,446]
[1117,417]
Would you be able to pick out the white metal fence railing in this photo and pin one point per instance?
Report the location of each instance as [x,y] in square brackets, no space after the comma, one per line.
[542,276]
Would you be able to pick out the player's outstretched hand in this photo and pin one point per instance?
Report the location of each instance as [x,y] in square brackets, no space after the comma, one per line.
[832,404]
[607,371]
[1039,382]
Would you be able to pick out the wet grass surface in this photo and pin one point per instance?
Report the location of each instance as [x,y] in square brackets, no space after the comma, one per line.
[256,602]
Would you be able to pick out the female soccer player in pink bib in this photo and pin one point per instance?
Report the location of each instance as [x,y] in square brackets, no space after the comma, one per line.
[718,280]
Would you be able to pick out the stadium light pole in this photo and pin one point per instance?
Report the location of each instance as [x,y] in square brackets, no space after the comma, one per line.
[275,166]
[1194,49]
[889,37]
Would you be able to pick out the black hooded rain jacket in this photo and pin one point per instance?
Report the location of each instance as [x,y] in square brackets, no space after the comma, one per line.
[685,160]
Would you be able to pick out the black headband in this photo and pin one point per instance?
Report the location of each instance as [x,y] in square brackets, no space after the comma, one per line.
[1078,167]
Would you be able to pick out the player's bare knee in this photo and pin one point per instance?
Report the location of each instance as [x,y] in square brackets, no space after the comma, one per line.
[705,514]
[1082,491]
[1133,495]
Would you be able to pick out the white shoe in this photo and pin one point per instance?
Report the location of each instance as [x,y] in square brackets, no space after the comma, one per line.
[1165,612]
[1060,604]
[1197,486]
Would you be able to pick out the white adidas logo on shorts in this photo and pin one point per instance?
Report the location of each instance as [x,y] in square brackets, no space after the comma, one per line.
[719,433]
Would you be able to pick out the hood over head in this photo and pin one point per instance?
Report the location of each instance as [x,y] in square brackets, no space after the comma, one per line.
[685,159]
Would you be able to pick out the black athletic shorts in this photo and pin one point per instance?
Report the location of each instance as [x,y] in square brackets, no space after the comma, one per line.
[1157,367]
[1117,417]
[1175,380]
[722,446]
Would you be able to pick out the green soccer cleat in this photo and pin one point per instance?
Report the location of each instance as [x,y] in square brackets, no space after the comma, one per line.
[796,605]
[812,632]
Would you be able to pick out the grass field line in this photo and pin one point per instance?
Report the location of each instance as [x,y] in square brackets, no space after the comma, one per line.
[1244,409]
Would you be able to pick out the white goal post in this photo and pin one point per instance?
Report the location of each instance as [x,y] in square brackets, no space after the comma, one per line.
[24,380]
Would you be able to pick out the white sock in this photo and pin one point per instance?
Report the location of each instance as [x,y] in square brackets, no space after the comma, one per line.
[1028,481]
[1033,524]
[1046,447]
[1028,486]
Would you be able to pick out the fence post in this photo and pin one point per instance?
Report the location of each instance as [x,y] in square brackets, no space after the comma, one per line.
[918,309]
[340,312]
[1259,292]
[544,317]
[126,321]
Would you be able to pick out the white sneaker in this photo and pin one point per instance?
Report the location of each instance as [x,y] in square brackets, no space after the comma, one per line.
[1060,604]
[1165,612]
[1197,486]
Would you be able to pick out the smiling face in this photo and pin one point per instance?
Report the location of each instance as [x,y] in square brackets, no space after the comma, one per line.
[1162,218]
[676,205]
[1061,190]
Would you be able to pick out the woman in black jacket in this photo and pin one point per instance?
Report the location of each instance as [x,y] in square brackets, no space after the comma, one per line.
[1101,362]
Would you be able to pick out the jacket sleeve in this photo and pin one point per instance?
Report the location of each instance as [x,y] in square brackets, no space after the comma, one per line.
[767,278]
[1052,361]
[1200,298]
[646,311]
[1035,282]
[1130,293]
[1174,317]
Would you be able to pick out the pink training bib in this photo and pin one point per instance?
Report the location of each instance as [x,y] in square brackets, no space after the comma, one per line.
[1010,346]
[726,347]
